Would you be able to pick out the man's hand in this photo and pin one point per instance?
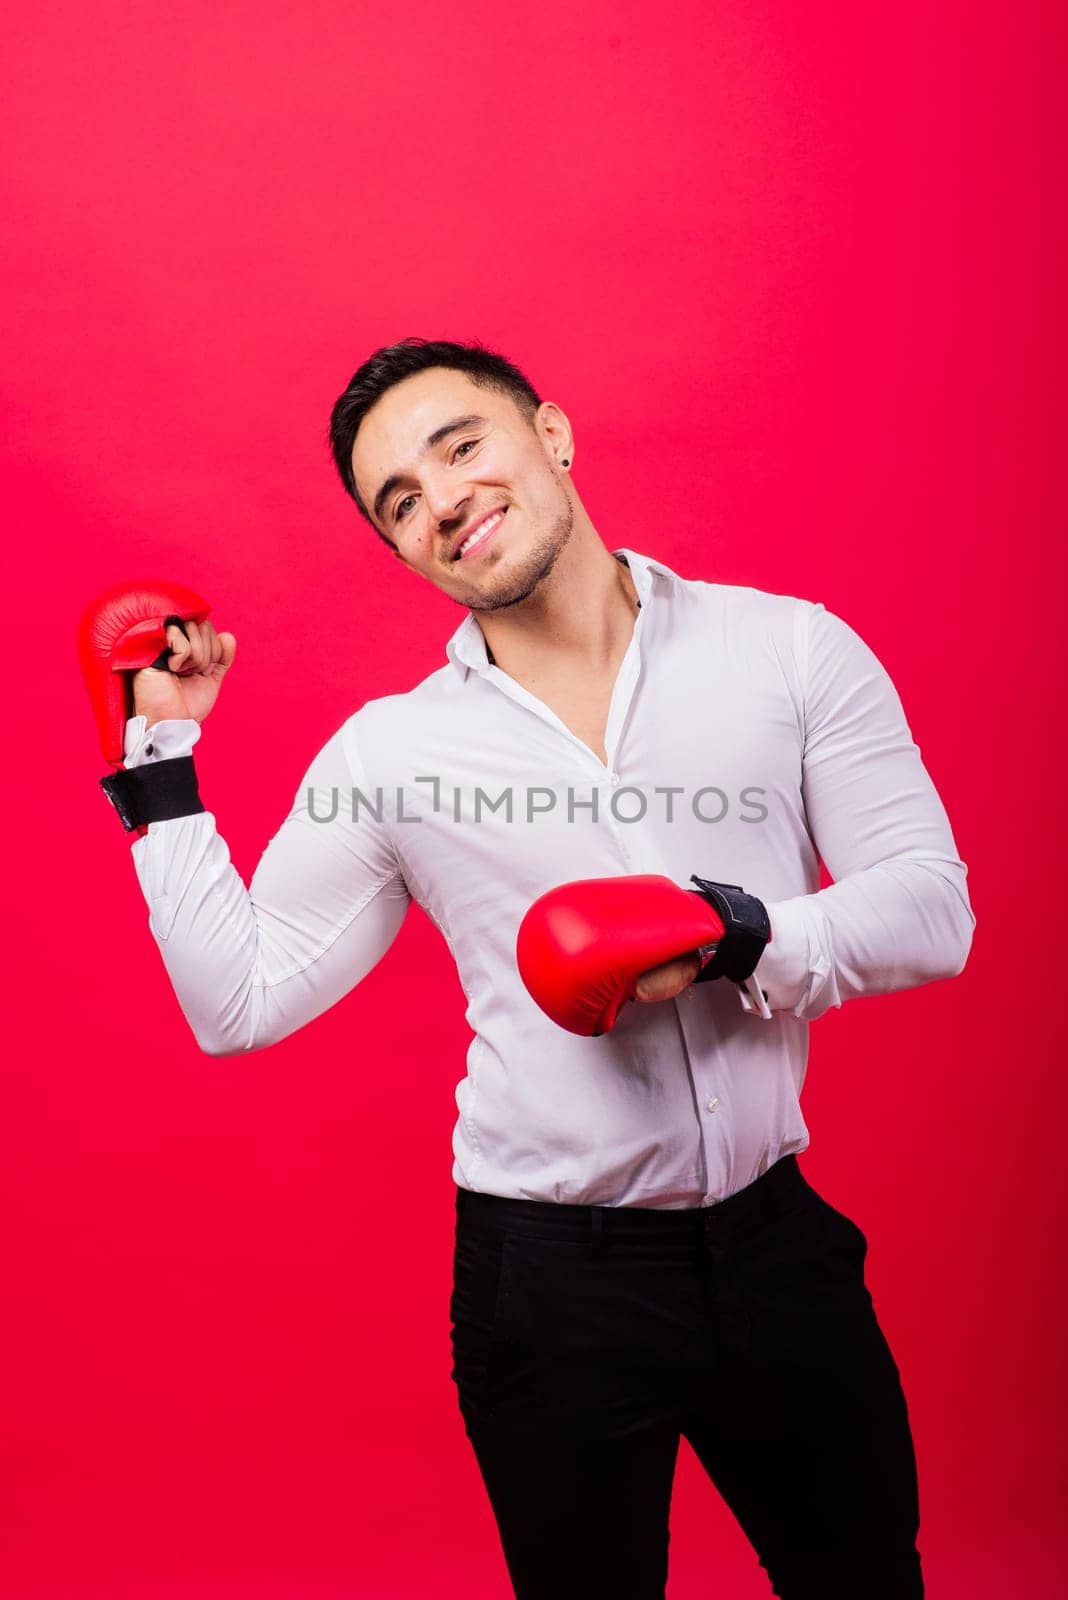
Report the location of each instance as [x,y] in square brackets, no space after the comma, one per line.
[669,979]
[123,631]
[585,948]
[197,665]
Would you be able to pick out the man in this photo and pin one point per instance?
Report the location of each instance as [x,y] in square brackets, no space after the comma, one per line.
[638,1256]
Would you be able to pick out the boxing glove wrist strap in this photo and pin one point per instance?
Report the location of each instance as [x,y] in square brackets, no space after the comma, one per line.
[155,792]
[747,929]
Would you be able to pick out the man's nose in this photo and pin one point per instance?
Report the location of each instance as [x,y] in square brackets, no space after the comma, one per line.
[446,502]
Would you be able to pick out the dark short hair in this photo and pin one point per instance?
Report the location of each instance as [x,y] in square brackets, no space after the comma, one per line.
[395,362]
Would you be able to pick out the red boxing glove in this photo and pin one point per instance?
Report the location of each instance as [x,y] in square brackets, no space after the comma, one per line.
[124,630]
[583,946]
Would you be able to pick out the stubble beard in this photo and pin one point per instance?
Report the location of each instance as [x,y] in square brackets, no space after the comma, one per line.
[539,561]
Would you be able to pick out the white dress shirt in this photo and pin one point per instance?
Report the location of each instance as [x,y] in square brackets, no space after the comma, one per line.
[748,735]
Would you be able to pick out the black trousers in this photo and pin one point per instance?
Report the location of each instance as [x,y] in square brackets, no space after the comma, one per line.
[586,1340]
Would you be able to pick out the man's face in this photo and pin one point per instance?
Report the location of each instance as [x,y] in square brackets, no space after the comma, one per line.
[439,459]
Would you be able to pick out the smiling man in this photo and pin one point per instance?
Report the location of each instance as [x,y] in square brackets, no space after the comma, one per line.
[639,1257]
[469,483]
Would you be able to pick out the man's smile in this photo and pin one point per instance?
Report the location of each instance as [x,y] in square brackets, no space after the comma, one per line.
[470,542]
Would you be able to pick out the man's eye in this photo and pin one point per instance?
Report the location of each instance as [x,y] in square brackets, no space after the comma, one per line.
[398,510]
[465,444]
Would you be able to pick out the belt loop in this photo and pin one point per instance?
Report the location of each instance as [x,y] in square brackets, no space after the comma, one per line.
[596,1229]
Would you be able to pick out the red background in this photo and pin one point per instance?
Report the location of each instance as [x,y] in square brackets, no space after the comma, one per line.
[791,270]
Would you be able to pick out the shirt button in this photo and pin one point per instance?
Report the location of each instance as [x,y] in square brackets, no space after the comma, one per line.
[713,1104]
[615,777]
[150,749]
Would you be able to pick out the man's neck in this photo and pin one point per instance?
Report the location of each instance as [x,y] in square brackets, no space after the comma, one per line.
[579,620]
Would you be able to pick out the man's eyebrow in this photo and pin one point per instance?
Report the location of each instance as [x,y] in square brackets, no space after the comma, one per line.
[455,426]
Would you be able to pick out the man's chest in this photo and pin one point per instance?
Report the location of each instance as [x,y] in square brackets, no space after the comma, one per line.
[495,797]
[581,704]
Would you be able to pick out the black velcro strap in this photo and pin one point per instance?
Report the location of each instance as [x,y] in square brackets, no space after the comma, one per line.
[154,793]
[747,929]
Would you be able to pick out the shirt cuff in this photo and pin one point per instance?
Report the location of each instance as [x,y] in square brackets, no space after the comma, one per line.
[754,999]
[784,972]
[164,741]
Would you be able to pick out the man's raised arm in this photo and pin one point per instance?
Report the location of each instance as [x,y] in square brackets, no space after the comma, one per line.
[249,966]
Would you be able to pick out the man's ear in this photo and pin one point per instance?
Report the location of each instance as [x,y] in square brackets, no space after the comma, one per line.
[555,430]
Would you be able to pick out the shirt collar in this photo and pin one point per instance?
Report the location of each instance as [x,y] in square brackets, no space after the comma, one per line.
[467,647]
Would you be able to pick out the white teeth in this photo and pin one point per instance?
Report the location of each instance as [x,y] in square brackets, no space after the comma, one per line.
[480,533]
